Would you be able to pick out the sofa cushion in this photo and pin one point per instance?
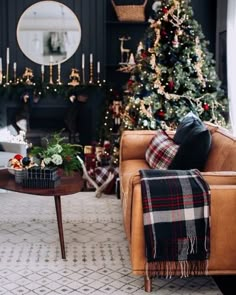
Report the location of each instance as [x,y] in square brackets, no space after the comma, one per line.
[161,151]
[195,142]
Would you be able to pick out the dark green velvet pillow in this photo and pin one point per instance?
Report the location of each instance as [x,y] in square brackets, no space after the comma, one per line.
[195,142]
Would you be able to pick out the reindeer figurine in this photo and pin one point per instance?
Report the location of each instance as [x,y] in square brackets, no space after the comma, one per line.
[124,51]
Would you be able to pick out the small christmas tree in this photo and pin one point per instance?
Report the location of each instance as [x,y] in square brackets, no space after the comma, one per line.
[174,73]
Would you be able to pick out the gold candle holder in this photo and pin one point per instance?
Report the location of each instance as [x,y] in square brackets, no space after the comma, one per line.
[50,74]
[59,74]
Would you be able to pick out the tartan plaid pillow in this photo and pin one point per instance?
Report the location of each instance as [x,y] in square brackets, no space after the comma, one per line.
[161,151]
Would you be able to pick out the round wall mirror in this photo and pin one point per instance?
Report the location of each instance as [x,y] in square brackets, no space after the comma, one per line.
[48,32]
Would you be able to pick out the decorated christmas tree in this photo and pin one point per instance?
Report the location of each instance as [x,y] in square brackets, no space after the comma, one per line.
[174,73]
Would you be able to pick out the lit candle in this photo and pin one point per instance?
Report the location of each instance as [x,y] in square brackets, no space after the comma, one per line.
[98,67]
[91,58]
[83,61]
[50,59]
[8,55]
[14,66]
[42,69]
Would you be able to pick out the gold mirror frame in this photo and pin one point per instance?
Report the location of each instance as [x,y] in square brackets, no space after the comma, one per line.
[48,32]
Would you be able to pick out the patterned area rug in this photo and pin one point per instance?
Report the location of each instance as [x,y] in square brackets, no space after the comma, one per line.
[96,248]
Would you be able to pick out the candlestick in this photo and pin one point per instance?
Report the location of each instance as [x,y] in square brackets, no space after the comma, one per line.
[50,74]
[83,68]
[8,55]
[91,69]
[7,61]
[98,72]
[59,74]
[0,70]
[42,73]
[83,61]
[14,72]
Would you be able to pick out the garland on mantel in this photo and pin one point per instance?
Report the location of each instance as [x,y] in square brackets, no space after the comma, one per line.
[38,90]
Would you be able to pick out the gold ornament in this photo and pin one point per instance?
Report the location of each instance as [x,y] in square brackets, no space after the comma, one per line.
[75,77]
[28,75]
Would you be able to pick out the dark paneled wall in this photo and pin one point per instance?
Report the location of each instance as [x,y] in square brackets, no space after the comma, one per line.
[205,14]
[91,14]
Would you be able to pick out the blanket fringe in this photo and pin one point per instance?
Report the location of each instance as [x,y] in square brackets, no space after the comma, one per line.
[183,269]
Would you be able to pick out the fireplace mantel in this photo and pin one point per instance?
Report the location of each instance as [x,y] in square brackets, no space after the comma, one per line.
[47,114]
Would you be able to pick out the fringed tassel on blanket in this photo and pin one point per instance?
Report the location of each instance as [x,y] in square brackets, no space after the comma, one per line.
[183,269]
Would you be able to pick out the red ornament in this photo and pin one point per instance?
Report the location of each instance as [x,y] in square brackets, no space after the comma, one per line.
[206,106]
[161,114]
[163,33]
[144,54]
[171,85]
[18,157]
[130,82]
[165,10]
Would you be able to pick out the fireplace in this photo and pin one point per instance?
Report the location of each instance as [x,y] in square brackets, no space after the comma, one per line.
[48,116]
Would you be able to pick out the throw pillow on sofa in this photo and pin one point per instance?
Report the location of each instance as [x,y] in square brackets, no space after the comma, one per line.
[161,151]
[186,126]
[195,142]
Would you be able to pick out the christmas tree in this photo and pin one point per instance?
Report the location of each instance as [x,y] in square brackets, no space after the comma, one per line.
[174,73]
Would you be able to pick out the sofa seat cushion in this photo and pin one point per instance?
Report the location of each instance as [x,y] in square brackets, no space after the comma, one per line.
[161,151]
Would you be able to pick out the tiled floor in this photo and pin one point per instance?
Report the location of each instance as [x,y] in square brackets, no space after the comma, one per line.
[97,251]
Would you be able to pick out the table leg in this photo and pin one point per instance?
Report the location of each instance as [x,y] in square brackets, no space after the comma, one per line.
[60,226]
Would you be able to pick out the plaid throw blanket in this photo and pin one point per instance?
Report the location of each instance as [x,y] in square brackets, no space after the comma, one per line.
[176,222]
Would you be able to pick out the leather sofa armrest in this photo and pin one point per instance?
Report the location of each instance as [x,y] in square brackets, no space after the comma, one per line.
[220,177]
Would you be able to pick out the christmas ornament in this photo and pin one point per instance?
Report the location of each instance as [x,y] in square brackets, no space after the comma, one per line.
[175,42]
[161,114]
[116,111]
[206,107]
[171,85]
[28,76]
[165,10]
[74,77]
[140,48]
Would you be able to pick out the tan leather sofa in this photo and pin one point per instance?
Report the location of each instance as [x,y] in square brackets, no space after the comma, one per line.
[219,172]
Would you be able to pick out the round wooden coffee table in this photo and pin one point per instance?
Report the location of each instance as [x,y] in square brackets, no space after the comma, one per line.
[69,185]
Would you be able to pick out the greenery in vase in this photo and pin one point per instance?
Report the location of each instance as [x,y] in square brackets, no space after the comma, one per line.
[56,152]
